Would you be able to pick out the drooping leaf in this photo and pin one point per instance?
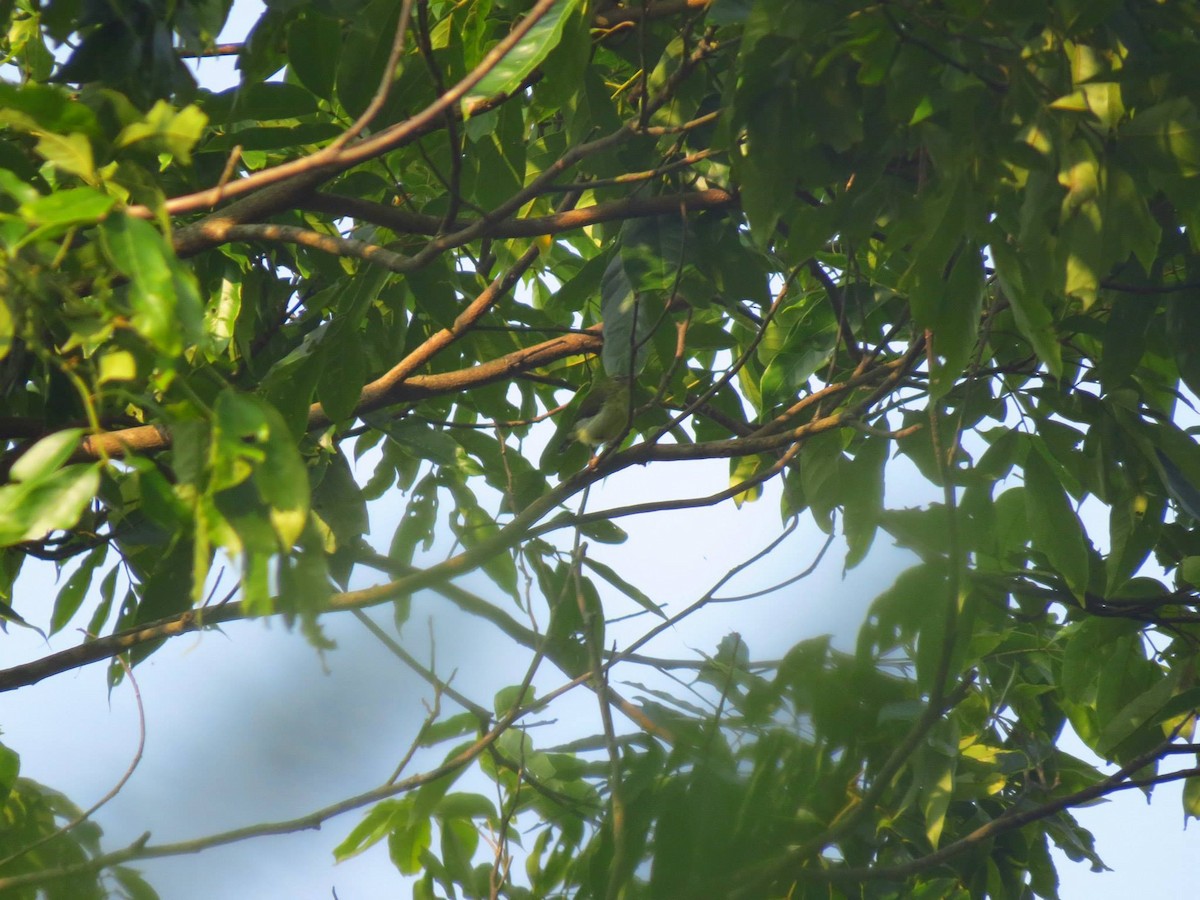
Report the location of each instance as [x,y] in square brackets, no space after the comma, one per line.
[1054,526]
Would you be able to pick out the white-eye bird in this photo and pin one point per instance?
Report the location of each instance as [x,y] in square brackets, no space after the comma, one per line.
[603,413]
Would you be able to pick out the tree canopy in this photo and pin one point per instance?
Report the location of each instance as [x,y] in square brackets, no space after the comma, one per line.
[825,240]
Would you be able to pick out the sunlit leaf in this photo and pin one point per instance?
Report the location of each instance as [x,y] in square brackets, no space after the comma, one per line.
[534,47]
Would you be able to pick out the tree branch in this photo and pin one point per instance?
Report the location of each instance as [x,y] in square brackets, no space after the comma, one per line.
[336,158]
[404,221]
[147,439]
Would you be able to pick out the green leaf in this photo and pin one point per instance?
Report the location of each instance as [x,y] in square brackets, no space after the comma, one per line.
[1191,798]
[165,128]
[70,598]
[1027,294]
[508,698]
[240,430]
[417,525]
[466,806]
[1129,226]
[265,102]
[1088,647]
[139,252]
[108,587]
[250,439]
[314,45]
[10,766]
[340,503]
[863,498]
[1190,569]
[1178,485]
[117,365]
[1137,712]
[407,846]
[794,357]
[604,531]
[70,152]
[519,62]
[955,323]
[1166,135]
[740,471]
[455,726]
[133,884]
[1054,527]
[380,819]
[936,795]
[75,206]
[31,510]
[274,138]
[46,455]
[634,290]
[343,374]
[365,50]
[33,107]
[629,590]
[282,478]
[424,441]
[7,329]
[766,167]
[822,476]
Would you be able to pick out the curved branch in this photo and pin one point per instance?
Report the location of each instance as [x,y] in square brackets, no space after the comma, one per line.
[383,392]
[419,357]
[335,158]
[311,171]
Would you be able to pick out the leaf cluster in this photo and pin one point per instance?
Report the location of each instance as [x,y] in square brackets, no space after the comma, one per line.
[841,245]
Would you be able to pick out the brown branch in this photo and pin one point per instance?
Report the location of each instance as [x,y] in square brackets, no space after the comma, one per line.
[897,367]
[438,341]
[215,50]
[387,391]
[315,240]
[403,221]
[336,158]
[575,154]
[619,15]
[146,439]
[276,197]
[682,162]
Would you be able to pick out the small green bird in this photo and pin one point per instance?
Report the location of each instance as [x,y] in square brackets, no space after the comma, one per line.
[603,413]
